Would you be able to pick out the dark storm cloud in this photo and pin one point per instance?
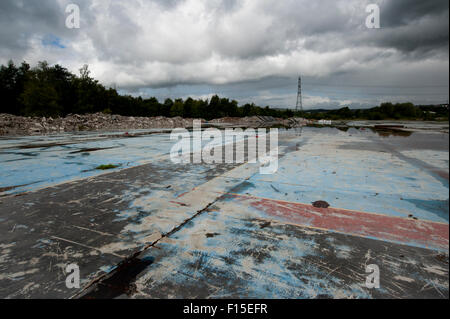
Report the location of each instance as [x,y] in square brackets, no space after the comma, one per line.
[19,21]
[415,27]
[406,12]
[22,21]
[246,49]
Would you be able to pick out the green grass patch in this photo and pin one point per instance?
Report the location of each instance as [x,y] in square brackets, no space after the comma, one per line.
[105,167]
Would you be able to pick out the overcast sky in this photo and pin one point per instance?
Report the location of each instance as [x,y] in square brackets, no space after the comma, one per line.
[249,50]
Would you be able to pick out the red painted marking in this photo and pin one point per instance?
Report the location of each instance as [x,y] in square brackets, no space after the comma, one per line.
[443,174]
[179,203]
[182,194]
[404,230]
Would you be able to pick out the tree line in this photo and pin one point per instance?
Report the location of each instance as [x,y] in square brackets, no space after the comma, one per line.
[54,91]
[386,111]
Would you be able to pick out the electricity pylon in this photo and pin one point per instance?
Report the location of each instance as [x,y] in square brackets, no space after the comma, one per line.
[299,105]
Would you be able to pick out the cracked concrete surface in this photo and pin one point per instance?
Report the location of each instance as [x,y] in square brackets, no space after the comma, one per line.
[160,230]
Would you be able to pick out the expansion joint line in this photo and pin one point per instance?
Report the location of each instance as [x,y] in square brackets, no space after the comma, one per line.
[140,251]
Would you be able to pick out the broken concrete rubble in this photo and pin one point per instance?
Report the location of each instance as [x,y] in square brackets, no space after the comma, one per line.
[19,125]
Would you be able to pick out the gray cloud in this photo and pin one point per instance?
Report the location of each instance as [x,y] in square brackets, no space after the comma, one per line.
[244,49]
[415,27]
[406,12]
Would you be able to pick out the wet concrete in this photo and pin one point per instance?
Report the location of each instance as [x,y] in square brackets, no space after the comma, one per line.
[160,230]
[121,280]
[284,261]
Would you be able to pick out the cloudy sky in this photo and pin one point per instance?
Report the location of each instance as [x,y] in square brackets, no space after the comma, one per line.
[249,50]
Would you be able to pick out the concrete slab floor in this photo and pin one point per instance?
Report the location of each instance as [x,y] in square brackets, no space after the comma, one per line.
[154,229]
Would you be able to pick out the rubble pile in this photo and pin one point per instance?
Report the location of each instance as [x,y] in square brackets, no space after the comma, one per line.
[257,121]
[19,125]
[237,120]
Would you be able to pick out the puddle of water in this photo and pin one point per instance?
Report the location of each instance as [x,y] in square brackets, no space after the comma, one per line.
[120,281]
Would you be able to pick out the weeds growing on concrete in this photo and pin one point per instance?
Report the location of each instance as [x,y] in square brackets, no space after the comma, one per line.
[105,167]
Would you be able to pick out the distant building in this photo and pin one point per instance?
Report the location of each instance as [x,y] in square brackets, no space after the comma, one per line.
[324,122]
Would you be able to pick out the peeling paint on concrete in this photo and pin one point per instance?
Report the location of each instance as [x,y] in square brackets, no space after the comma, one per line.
[224,230]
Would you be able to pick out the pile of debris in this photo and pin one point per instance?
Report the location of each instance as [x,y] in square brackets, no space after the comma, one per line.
[19,125]
[260,121]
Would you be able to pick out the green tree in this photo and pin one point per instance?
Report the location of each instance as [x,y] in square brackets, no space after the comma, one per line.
[8,88]
[152,107]
[166,107]
[40,99]
[189,105]
[214,108]
[177,108]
